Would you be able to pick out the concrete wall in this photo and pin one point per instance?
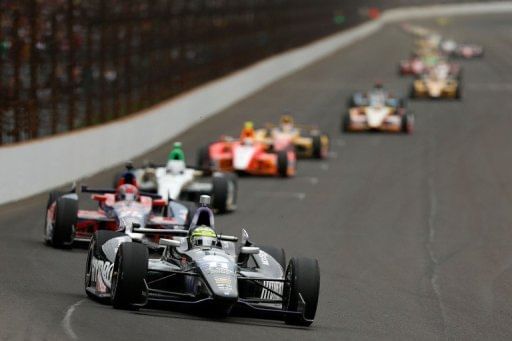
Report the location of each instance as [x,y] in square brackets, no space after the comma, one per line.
[36,166]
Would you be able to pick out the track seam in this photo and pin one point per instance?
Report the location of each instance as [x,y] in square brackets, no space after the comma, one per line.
[433,260]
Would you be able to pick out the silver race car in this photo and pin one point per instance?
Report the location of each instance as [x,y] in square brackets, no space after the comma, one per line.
[199,267]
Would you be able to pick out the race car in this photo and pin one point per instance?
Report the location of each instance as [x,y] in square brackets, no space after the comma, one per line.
[436,84]
[176,181]
[417,66]
[247,155]
[466,51]
[198,267]
[377,110]
[308,142]
[65,223]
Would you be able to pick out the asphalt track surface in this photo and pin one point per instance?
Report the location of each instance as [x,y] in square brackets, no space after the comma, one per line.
[413,233]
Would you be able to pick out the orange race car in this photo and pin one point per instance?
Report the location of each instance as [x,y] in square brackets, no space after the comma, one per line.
[247,156]
[308,142]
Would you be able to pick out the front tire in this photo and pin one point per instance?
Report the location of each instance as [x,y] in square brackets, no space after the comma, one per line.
[130,269]
[98,239]
[302,288]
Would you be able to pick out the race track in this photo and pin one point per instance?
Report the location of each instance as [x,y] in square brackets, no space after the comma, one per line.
[413,233]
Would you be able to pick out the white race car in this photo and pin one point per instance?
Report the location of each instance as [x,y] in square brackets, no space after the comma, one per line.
[176,181]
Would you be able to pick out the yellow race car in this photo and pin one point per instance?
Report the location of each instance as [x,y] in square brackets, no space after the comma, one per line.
[308,142]
[433,87]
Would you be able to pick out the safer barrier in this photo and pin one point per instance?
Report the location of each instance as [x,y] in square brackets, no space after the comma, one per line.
[33,167]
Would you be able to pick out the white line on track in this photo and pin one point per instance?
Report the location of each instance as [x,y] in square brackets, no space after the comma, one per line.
[324,166]
[66,321]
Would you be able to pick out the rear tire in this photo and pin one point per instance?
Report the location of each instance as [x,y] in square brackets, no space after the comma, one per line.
[345,125]
[412,92]
[317,146]
[203,158]
[130,269]
[458,92]
[303,276]
[220,193]
[407,124]
[66,211]
[52,197]
[282,163]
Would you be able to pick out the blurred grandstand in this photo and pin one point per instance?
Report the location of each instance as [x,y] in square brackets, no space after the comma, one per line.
[67,64]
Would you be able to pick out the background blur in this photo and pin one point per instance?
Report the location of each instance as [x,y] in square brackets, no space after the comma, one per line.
[67,64]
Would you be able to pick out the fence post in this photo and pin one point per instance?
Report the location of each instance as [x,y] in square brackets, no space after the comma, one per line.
[16,56]
[71,65]
[33,106]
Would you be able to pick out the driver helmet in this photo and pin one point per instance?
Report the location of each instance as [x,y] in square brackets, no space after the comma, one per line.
[203,236]
[176,152]
[247,131]
[127,193]
[378,85]
[176,159]
[287,122]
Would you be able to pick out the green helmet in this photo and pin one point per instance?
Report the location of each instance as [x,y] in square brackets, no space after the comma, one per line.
[176,152]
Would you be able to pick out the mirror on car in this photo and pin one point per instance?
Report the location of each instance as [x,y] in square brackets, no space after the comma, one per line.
[170,242]
[245,237]
[249,250]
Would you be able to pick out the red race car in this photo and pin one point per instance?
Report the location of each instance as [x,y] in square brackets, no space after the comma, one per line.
[118,209]
[248,156]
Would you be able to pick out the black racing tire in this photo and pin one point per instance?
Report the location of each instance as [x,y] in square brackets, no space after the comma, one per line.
[458,92]
[350,102]
[345,123]
[303,280]
[130,269]
[407,122]
[66,211]
[52,197]
[402,102]
[233,178]
[412,92]
[282,163]
[277,253]
[203,158]
[220,193]
[98,239]
[317,146]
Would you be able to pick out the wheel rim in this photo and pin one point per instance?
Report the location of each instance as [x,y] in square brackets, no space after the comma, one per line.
[287,290]
[115,275]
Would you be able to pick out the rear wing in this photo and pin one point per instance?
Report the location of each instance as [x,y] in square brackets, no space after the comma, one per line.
[85,189]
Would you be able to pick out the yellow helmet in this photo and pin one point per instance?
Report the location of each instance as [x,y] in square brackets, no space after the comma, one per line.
[286,119]
[203,236]
[248,125]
